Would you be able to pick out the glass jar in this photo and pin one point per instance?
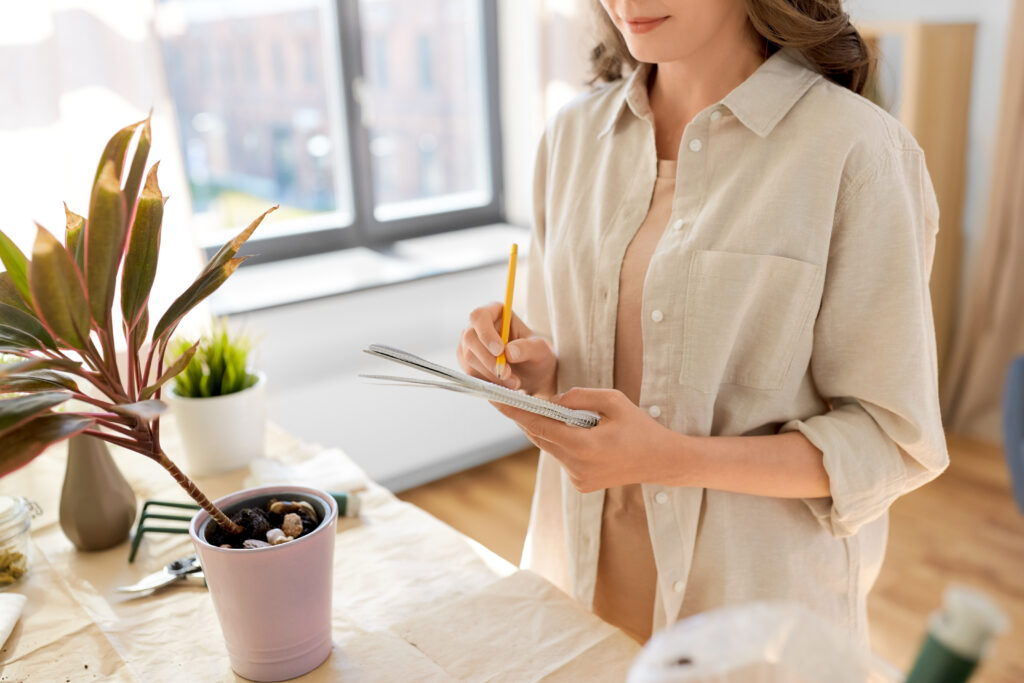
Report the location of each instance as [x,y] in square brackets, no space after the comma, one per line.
[15,544]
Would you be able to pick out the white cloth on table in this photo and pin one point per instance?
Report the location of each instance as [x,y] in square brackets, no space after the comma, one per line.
[329,469]
[11,605]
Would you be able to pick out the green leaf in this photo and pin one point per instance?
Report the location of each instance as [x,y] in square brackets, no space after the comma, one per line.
[231,382]
[227,252]
[73,233]
[25,442]
[11,337]
[138,333]
[29,324]
[37,380]
[16,264]
[10,295]
[214,274]
[143,249]
[144,410]
[57,291]
[21,367]
[205,285]
[175,368]
[187,383]
[14,411]
[116,150]
[131,185]
[206,389]
[105,235]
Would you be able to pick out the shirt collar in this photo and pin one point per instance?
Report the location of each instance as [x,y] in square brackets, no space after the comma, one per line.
[759,102]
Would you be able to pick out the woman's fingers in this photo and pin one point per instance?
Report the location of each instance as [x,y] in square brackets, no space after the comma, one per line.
[476,359]
[481,344]
[604,401]
[527,350]
[486,321]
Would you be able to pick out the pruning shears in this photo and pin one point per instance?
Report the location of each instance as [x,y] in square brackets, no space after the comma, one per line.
[185,570]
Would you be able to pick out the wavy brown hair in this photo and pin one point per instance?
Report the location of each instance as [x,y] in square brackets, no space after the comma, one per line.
[818,29]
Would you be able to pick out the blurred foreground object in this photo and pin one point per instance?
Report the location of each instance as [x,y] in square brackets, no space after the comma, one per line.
[959,636]
[1013,427]
[761,642]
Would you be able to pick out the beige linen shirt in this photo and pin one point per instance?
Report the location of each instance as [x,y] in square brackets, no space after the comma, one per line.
[789,292]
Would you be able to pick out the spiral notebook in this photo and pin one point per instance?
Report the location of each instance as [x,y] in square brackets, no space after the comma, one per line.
[453,380]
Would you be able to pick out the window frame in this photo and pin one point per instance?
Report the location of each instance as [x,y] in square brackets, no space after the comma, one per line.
[365,230]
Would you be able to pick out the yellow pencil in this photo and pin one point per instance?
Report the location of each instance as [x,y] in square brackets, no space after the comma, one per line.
[506,312]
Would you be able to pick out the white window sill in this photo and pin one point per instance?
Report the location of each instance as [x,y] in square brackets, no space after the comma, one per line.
[270,285]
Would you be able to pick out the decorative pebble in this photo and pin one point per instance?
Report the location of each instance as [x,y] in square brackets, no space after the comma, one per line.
[292,525]
[253,520]
[283,507]
[277,537]
[253,543]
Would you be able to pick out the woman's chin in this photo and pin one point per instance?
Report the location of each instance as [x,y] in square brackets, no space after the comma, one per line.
[651,52]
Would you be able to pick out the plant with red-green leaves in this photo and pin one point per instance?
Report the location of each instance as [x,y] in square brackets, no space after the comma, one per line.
[56,316]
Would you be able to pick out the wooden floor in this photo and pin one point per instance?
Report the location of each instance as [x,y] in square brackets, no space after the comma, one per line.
[961,528]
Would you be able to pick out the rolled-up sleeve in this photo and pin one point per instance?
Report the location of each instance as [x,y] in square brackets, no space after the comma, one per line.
[874,358]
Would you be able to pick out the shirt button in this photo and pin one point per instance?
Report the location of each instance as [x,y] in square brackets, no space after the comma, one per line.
[661,497]
[678,225]
[695,145]
[657,316]
[678,586]
[715,115]
[654,411]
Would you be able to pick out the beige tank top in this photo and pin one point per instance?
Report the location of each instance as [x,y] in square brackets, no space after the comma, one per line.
[626,574]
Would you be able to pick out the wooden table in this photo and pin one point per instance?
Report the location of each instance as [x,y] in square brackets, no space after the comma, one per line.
[414,600]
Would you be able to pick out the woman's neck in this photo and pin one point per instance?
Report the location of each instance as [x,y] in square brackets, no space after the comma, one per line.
[681,89]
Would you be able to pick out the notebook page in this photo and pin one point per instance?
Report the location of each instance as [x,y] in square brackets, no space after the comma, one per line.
[463,383]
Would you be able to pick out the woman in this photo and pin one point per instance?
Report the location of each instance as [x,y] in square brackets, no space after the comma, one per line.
[730,264]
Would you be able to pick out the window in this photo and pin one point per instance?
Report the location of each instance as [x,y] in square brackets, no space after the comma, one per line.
[379,62]
[425,62]
[366,120]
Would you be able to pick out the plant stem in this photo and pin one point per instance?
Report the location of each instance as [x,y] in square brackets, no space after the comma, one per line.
[133,389]
[135,362]
[156,395]
[130,444]
[101,378]
[85,398]
[149,363]
[215,512]
[110,424]
[109,354]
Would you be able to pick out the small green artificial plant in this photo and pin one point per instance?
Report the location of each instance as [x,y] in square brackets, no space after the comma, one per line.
[219,366]
[56,317]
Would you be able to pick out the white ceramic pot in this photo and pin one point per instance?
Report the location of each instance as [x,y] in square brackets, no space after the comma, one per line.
[221,433]
[273,604]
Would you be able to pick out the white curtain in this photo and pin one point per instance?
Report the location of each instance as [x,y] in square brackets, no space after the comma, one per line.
[991,332]
[74,72]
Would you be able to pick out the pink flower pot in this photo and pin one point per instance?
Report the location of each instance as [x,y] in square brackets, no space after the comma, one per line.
[274,604]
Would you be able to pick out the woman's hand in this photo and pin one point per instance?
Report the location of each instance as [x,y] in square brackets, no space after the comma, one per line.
[626,447]
[531,362]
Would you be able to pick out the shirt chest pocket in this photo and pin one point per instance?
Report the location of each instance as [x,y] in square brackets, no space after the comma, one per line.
[744,316]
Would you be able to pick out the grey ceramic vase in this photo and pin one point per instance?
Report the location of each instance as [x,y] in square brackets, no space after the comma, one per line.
[97,506]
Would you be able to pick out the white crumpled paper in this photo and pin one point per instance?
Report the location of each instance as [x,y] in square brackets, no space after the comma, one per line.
[11,605]
[519,628]
[328,469]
